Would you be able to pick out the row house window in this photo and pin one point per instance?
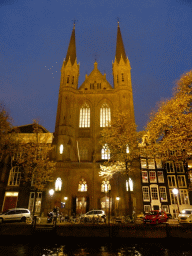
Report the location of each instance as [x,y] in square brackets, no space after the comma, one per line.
[35,202]
[183,194]
[181,181]
[155,193]
[163,194]
[14,176]
[82,187]
[146,194]
[150,163]
[152,176]
[172,168]
[171,181]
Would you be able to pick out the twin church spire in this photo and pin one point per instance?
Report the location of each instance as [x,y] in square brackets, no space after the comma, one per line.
[121,65]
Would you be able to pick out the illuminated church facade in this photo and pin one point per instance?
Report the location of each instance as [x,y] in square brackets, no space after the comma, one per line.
[82,112]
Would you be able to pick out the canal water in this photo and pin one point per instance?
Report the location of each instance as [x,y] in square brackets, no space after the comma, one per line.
[95,247]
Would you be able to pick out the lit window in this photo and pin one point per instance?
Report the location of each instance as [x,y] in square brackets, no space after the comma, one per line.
[163,194]
[181,181]
[165,208]
[82,187]
[143,163]
[84,119]
[127,149]
[14,176]
[144,176]
[169,167]
[154,193]
[152,176]
[184,196]
[160,176]
[147,208]
[105,115]
[105,152]
[129,185]
[151,163]
[174,198]
[171,181]
[36,200]
[146,194]
[158,163]
[61,149]
[58,184]
[105,186]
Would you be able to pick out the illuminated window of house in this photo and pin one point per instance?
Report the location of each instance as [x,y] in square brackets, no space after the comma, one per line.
[152,176]
[173,198]
[105,115]
[58,184]
[14,176]
[61,149]
[83,154]
[129,185]
[105,152]
[160,176]
[146,194]
[169,167]
[147,208]
[158,163]
[144,176]
[171,181]
[154,193]
[165,208]
[82,186]
[35,201]
[84,118]
[181,181]
[143,163]
[179,167]
[151,164]
[105,186]
[184,196]
[163,194]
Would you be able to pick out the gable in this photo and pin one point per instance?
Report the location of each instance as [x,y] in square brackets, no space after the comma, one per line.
[95,81]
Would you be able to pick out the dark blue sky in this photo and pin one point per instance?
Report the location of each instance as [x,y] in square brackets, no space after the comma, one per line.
[34,37]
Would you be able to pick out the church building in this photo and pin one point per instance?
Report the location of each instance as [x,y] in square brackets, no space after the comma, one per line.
[82,112]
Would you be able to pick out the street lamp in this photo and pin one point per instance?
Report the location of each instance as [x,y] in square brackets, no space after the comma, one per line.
[117,199]
[175,192]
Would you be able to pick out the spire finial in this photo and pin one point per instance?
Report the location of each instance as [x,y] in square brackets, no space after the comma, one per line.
[118,21]
[74,22]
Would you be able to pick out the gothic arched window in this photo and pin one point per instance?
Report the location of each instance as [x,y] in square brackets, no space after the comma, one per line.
[105,115]
[84,118]
[82,186]
[105,152]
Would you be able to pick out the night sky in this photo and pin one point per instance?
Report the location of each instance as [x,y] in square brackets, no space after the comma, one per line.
[34,37]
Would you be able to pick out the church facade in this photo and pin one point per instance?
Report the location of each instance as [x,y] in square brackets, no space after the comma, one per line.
[81,114]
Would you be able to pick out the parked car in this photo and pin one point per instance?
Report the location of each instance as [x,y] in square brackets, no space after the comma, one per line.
[155,217]
[98,215]
[16,214]
[185,216]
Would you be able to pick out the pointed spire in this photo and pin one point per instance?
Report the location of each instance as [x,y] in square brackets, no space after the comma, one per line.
[71,52]
[120,50]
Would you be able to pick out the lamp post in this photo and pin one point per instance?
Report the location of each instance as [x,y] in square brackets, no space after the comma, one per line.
[175,192]
[117,199]
[51,193]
